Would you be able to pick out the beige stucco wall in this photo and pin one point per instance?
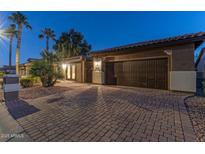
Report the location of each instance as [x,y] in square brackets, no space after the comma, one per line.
[98,72]
[98,77]
[183,58]
[183,81]
[78,72]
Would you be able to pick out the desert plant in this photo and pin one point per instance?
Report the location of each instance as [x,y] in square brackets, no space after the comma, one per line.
[46,72]
[35,79]
[26,82]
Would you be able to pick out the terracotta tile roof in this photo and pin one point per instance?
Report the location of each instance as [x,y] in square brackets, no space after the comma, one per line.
[193,37]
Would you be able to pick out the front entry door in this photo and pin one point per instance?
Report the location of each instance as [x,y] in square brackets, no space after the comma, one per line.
[71,72]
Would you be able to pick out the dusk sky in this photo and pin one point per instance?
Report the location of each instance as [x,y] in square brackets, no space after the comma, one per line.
[101,29]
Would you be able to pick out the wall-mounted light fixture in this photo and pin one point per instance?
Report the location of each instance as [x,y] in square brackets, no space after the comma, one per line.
[168,52]
[97,64]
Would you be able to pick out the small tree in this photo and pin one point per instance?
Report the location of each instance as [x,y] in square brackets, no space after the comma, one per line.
[46,71]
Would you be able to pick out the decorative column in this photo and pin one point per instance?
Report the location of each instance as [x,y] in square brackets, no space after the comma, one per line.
[182,73]
[98,73]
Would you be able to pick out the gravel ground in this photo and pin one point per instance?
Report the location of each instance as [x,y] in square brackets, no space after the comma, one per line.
[196,109]
[38,91]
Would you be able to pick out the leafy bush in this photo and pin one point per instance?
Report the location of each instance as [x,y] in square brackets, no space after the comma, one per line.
[2,74]
[35,79]
[46,72]
[26,82]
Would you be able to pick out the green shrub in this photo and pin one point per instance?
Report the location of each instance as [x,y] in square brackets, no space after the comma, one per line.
[46,72]
[2,74]
[26,82]
[35,79]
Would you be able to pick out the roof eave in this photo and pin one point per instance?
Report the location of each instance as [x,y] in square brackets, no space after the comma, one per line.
[197,41]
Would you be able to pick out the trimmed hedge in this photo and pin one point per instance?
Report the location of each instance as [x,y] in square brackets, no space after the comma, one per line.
[35,80]
[26,82]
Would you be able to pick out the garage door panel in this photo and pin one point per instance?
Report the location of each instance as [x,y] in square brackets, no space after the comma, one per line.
[143,73]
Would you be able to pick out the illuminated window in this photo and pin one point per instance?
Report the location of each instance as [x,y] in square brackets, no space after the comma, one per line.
[68,71]
[73,72]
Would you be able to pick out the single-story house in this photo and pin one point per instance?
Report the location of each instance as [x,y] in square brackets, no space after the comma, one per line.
[8,69]
[161,64]
[24,68]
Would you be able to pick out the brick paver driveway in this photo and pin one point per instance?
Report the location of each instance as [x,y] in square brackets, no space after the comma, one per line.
[102,113]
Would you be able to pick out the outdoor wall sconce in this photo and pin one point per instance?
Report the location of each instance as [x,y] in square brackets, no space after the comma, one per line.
[168,52]
[97,64]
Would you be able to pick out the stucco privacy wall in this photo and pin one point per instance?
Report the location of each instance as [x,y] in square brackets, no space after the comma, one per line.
[98,77]
[182,73]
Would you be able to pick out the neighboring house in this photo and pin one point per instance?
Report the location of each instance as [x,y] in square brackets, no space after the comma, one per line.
[8,69]
[200,64]
[24,68]
[161,64]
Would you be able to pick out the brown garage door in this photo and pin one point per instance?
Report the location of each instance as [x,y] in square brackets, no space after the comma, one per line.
[152,73]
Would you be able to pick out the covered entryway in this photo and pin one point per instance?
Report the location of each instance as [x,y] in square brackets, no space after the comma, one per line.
[149,73]
[71,72]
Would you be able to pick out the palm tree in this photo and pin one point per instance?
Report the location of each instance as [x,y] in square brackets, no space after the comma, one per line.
[20,20]
[10,32]
[48,33]
[49,57]
[71,43]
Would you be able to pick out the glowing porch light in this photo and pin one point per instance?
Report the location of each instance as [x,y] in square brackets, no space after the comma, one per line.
[97,64]
[64,66]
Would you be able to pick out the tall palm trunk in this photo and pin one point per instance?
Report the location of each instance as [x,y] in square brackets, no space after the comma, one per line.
[10,50]
[18,48]
[47,42]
